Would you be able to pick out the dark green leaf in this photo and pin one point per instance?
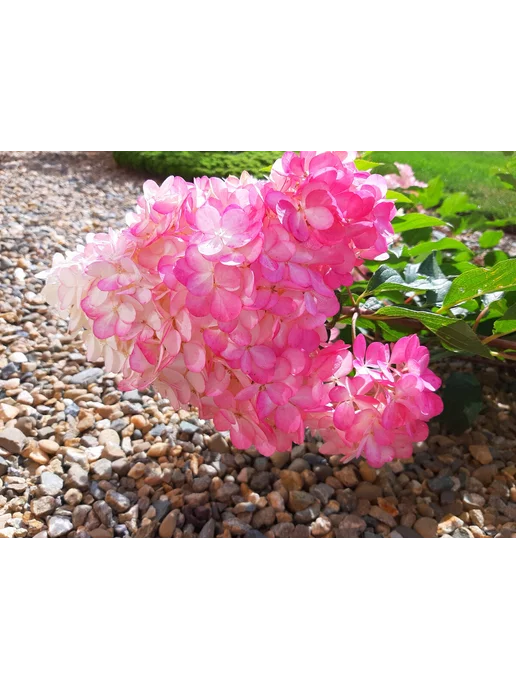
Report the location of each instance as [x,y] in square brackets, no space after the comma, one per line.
[495,257]
[460,337]
[386,168]
[416,236]
[432,321]
[440,284]
[392,330]
[490,238]
[481,281]
[388,279]
[462,397]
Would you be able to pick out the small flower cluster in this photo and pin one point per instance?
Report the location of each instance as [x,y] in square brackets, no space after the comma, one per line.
[218,294]
[405,179]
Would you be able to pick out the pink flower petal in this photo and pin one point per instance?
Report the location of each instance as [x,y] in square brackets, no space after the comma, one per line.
[195,356]
[225,305]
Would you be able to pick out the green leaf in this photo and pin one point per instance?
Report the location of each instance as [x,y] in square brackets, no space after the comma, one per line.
[504,222]
[433,193]
[462,256]
[508,179]
[462,398]
[412,237]
[392,331]
[464,267]
[469,285]
[432,321]
[387,279]
[507,323]
[398,197]
[495,257]
[386,168]
[460,337]
[365,165]
[416,221]
[456,203]
[441,245]
[490,238]
[440,284]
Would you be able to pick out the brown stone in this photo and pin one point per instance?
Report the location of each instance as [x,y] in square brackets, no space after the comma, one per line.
[368,491]
[299,500]
[347,476]
[351,526]
[426,527]
[158,449]
[168,525]
[291,480]
[49,446]
[481,453]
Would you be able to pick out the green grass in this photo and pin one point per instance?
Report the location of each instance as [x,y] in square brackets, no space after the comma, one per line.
[190,164]
[471,172]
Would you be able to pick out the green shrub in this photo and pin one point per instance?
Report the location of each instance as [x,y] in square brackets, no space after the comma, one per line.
[190,164]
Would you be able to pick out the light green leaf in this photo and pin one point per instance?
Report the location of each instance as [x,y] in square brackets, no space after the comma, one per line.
[464,267]
[501,277]
[456,203]
[398,197]
[416,221]
[490,238]
[365,165]
[433,193]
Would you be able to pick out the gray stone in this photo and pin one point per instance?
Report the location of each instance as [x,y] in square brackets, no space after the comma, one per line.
[59,526]
[80,514]
[322,492]
[109,436]
[77,477]
[12,440]
[102,469]
[121,467]
[208,530]
[188,428]
[43,506]
[299,465]
[441,484]
[51,484]
[86,377]
[309,515]
[104,514]
[4,466]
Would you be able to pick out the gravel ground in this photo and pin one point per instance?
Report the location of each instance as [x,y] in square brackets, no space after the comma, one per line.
[80,459]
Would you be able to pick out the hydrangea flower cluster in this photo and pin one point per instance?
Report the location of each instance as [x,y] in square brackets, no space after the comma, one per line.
[218,294]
